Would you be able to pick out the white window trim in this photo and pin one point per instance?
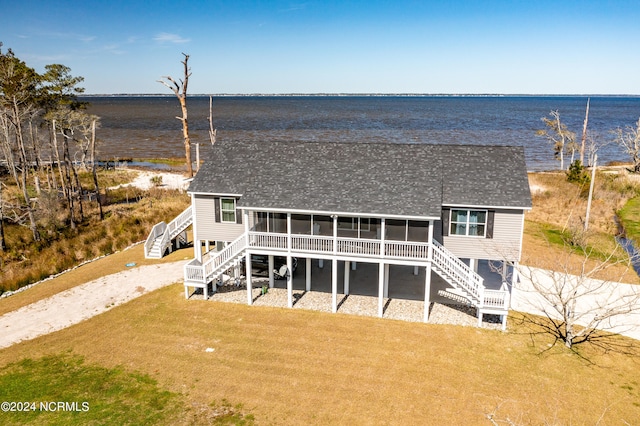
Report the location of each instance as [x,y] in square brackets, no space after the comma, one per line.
[469,210]
[222,211]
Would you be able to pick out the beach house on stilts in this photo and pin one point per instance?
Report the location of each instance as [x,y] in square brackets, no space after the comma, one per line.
[445,211]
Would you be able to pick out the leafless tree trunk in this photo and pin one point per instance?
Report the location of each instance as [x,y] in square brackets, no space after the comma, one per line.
[93,167]
[558,133]
[3,245]
[629,141]
[180,90]
[584,133]
[591,185]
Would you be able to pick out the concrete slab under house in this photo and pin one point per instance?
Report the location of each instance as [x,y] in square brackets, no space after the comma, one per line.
[452,215]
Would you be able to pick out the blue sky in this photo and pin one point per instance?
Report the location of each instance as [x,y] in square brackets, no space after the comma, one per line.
[509,47]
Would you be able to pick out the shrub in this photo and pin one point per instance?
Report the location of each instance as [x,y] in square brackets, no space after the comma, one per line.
[577,173]
[156,180]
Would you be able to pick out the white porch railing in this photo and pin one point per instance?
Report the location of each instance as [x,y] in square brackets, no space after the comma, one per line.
[446,264]
[495,299]
[316,244]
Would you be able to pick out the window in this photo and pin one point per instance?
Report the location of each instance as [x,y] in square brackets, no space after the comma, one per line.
[228,209]
[472,223]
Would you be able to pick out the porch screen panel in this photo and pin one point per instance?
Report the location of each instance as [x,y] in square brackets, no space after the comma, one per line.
[396,229]
[301,224]
[418,231]
[322,225]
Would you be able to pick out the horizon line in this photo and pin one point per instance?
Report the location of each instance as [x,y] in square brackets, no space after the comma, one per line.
[372,94]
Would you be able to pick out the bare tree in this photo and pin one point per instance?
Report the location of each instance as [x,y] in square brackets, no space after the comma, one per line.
[18,107]
[629,141]
[572,305]
[584,132]
[557,133]
[93,166]
[180,90]
[3,245]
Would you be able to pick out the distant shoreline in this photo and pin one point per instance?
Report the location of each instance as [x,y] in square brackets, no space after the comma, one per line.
[359,95]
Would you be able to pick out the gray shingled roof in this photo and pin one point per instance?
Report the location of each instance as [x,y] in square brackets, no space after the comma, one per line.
[369,178]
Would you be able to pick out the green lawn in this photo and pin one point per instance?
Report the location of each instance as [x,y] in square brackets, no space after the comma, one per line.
[290,366]
[630,218]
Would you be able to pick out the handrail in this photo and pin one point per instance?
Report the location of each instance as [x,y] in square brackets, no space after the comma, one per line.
[157,230]
[195,271]
[168,232]
[212,266]
[178,224]
[461,273]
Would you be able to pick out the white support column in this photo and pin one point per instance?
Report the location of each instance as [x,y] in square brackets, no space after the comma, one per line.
[427,292]
[308,271]
[381,289]
[334,286]
[207,246]
[382,236]
[197,250]
[289,282]
[514,282]
[197,247]
[427,280]
[347,270]
[289,232]
[248,278]
[335,234]
[271,268]
[386,280]
[245,220]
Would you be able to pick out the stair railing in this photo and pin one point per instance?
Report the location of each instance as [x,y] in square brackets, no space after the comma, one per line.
[157,230]
[461,274]
[216,263]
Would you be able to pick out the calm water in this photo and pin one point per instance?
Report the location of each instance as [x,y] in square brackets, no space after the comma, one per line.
[144,127]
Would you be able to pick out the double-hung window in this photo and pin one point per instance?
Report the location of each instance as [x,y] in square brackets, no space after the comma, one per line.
[471,223]
[228,210]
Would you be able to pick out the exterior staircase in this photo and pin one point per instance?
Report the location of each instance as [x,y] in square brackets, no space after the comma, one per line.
[467,286]
[161,236]
[199,274]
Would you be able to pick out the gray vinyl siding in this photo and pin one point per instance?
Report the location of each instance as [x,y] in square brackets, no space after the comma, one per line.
[506,241]
[207,229]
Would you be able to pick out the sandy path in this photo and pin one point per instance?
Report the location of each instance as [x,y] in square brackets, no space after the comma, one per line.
[85,301]
[169,180]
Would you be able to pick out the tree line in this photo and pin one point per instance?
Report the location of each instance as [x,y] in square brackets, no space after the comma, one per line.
[46,136]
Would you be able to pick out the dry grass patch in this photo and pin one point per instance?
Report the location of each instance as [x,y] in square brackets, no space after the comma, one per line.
[128,219]
[303,367]
[555,224]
